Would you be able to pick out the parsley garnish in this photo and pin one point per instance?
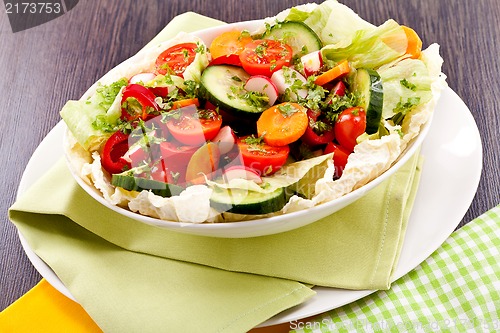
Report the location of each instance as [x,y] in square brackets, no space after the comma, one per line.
[200,48]
[287,109]
[402,109]
[407,84]
[191,88]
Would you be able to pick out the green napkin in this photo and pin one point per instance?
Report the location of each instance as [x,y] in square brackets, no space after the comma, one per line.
[355,248]
[456,289]
[134,277]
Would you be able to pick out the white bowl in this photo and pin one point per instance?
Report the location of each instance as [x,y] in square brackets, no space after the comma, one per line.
[263,226]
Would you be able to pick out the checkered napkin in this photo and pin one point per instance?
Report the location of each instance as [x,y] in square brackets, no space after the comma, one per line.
[457,289]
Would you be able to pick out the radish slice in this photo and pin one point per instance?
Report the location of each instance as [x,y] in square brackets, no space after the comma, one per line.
[262,84]
[142,77]
[226,139]
[241,172]
[283,79]
[312,62]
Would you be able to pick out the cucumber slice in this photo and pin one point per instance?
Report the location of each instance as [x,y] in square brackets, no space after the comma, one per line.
[222,85]
[247,202]
[367,85]
[132,183]
[297,35]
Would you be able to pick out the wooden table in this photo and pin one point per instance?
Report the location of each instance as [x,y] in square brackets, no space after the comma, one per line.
[43,67]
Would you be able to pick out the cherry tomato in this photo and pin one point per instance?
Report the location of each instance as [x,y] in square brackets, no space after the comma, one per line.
[339,89]
[138,102]
[230,59]
[175,157]
[261,157]
[113,151]
[340,156]
[265,56]
[318,132]
[229,43]
[175,59]
[193,127]
[350,124]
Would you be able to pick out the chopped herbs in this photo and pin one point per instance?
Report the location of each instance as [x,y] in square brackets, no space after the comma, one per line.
[405,83]
[244,34]
[402,109]
[252,140]
[106,94]
[407,106]
[287,109]
[200,48]
[191,88]
[261,49]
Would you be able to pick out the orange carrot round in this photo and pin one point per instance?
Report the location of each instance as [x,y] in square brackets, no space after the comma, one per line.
[229,42]
[282,124]
[414,47]
[342,68]
[185,102]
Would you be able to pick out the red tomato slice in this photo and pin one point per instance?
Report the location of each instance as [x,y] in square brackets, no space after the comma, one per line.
[194,127]
[138,102]
[317,133]
[340,156]
[350,124]
[113,151]
[175,59]
[230,59]
[264,57]
[175,157]
[262,158]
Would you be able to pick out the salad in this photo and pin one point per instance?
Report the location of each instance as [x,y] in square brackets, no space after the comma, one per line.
[303,109]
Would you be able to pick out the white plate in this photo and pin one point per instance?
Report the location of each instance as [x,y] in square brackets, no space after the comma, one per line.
[453,161]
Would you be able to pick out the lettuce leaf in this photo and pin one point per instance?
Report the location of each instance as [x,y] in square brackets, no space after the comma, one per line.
[370,48]
[407,84]
[91,121]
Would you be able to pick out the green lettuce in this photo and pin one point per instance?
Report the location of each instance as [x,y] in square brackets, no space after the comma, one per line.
[91,121]
[407,84]
[333,22]
[370,48]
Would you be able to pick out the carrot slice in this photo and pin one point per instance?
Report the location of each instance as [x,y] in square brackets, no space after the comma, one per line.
[229,42]
[185,102]
[414,47]
[342,68]
[282,124]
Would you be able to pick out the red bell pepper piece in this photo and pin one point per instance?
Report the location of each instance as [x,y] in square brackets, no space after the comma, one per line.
[317,135]
[139,102]
[113,151]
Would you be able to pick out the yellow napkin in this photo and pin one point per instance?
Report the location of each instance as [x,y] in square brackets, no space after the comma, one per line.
[44,309]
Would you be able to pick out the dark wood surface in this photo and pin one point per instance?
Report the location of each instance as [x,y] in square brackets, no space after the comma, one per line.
[44,66]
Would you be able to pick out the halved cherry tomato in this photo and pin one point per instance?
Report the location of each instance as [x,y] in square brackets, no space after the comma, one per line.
[318,132]
[193,127]
[340,156]
[230,59]
[175,59]
[112,154]
[350,124]
[265,56]
[138,102]
[339,89]
[175,157]
[261,157]
[229,43]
